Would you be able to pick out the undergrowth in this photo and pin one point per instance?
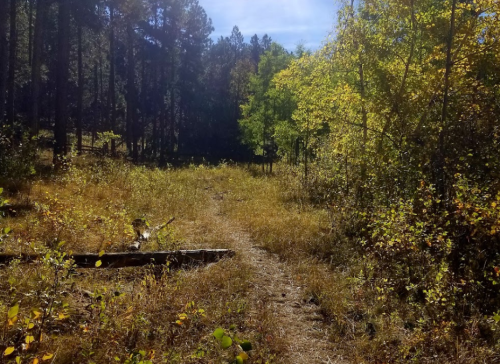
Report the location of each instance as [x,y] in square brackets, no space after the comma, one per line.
[398,284]
[395,284]
[55,313]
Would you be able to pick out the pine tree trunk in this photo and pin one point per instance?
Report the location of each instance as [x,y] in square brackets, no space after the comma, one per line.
[171,128]
[11,82]
[163,117]
[96,104]
[61,108]
[4,5]
[79,112]
[41,14]
[154,136]
[112,92]
[144,87]
[132,132]
[30,31]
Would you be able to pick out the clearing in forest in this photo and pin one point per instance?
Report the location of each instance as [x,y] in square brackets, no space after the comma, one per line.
[133,314]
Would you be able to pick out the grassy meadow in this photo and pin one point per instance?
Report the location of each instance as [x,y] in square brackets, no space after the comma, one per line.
[142,315]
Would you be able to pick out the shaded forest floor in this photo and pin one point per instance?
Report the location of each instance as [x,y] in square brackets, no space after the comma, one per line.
[292,290]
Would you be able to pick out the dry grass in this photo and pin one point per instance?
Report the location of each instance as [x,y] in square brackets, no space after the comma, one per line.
[90,208]
[126,315]
[370,326]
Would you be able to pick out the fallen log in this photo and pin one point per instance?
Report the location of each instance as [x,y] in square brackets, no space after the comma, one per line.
[175,259]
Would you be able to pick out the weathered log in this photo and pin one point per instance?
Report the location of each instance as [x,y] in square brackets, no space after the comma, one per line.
[175,259]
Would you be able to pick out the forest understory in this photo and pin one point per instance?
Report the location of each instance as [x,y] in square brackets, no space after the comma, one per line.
[294,290]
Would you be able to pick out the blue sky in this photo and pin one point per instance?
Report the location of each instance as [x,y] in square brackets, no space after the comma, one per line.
[288,22]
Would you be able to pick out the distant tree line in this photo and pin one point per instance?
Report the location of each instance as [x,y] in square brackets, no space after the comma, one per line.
[143,70]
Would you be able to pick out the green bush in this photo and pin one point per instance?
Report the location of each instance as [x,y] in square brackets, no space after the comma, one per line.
[441,258]
[17,157]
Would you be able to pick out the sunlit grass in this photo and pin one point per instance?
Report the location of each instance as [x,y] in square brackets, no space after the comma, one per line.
[91,206]
[105,316]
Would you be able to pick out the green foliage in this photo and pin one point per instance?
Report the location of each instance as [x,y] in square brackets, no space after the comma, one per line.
[267,113]
[30,319]
[397,117]
[17,157]
[105,138]
[227,341]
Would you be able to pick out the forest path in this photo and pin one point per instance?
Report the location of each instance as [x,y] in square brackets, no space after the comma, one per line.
[300,324]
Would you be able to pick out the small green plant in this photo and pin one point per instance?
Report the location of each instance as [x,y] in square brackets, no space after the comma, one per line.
[229,340]
[4,231]
[29,318]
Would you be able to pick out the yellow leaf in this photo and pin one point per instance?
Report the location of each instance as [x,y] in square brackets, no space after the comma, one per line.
[29,339]
[243,355]
[62,316]
[98,264]
[178,322]
[101,253]
[36,314]
[151,354]
[18,359]
[8,351]
[13,311]
[47,356]
[35,361]
[31,325]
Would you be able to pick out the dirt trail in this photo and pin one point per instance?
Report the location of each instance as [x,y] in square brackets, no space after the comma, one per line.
[300,323]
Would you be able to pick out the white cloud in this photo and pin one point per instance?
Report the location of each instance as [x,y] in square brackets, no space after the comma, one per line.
[286,21]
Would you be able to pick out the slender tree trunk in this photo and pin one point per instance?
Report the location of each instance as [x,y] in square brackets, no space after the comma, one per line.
[81,85]
[364,118]
[112,61]
[30,31]
[154,136]
[171,129]
[132,129]
[96,103]
[441,175]
[144,85]
[61,107]
[163,116]
[4,52]
[11,82]
[41,14]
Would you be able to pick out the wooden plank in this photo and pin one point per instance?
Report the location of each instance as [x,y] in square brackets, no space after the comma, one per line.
[176,259]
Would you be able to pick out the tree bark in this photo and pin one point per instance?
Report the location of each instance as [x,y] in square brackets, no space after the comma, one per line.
[61,107]
[132,129]
[171,128]
[30,31]
[96,104]
[79,112]
[4,5]
[112,61]
[11,82]
[144,88]
[41,14]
